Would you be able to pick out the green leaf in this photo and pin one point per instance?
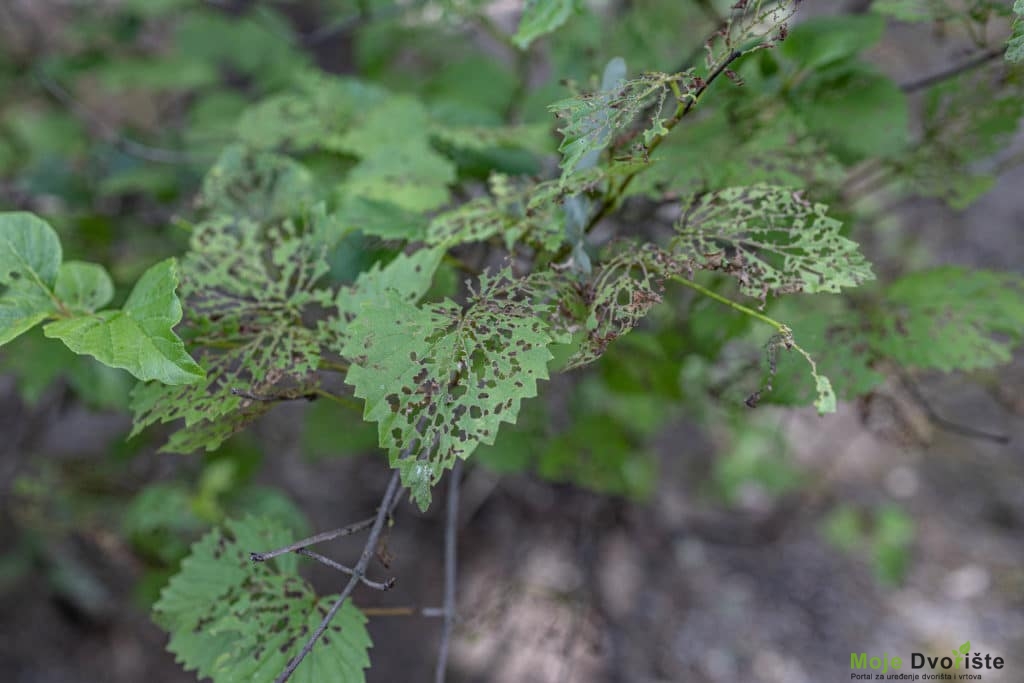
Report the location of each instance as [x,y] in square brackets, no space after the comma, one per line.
[247,288]
[590,121]
[407,277]
[83,287]
[439,380]
[860,113]
[541,17]
[621,293]
[30,257]
[258,185]
[771,240]
[1015,44]
[821,41]
[231,619]
[965,648]
[951,318]
[139,337]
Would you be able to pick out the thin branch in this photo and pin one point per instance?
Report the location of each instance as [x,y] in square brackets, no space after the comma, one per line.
[952,72]
[126,145]
[377,585]
[383,512]
[323,536]
[949,425]
[271,398]
[402,611]
[450,532]
[612,199]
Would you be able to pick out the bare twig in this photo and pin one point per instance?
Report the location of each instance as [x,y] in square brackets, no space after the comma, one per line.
[383,512]
[450,531]
[270,398]
[949,425]
[952,72]
[126,145]
[323,536]
[377,585]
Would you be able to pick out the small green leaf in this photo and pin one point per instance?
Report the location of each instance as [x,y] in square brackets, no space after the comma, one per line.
[139,337]
[541,17]
[965,648]
[826,401]
[30,256]
[84,287]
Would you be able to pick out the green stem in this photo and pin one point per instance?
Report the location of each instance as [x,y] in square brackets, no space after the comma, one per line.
[332,365]
[340,400]
[781,328]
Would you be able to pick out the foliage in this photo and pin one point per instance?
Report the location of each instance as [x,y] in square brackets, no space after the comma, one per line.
[39,287]
[429,235]
[232,619]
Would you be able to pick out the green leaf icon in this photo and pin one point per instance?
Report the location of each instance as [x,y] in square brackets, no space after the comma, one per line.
[965,648]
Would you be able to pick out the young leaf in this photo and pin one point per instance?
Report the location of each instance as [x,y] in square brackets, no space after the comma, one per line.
[139,337]
[30,256]
[771,240]
[541,17]
[83,287]
[231,619]
[439,380]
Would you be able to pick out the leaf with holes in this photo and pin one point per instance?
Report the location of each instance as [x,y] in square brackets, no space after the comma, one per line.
[771,240]
[951,319]
[590,121]
[440,380]
[248,287]
[621,293]
[231,619]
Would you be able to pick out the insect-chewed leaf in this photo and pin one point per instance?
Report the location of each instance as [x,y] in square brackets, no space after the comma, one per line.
[771,240]
[440,380]
[408,277]
[231,619]
[247,286]
[1015,45]
[952,319]
[622,292]
[520,211]
[590,121]
[257,185]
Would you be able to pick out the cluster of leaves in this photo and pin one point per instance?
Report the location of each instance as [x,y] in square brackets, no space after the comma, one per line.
[340,214]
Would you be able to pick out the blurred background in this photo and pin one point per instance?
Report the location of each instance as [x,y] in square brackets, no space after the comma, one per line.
[640,524]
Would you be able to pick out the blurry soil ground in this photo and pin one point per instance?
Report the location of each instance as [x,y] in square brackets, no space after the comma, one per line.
[558,585]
